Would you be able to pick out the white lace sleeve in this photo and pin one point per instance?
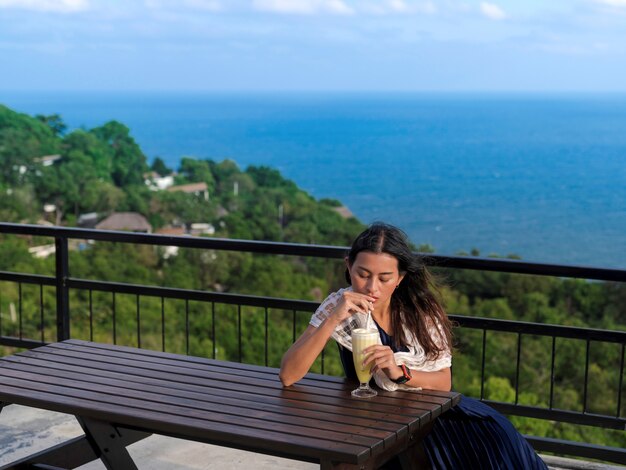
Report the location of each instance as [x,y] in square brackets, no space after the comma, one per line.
[415,359]
[342,332]
[444,359]
[325,308]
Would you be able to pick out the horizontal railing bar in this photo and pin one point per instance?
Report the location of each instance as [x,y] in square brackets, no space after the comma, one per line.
[310,306]
[525,267]
[13,342]
[540,329]
[205,296]
[578,449]
[574,417]
[252,246]
[321,251]
[27,278]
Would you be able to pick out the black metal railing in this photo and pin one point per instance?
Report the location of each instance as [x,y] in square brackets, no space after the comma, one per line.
[63,283]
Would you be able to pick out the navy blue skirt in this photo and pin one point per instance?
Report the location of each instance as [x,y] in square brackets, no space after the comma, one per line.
[472,435]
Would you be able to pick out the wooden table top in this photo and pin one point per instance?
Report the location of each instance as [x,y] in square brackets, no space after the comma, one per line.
[232,404]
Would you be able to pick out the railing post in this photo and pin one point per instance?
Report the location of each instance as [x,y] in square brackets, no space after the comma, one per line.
[63,298]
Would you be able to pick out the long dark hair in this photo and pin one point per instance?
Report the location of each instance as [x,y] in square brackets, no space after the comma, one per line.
[414,305]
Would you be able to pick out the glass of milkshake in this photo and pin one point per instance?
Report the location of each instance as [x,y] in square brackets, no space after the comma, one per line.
[361,339]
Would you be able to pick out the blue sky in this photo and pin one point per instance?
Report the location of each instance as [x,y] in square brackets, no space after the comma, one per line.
[293,45]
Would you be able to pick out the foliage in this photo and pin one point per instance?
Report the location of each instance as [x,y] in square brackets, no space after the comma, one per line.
[160,168]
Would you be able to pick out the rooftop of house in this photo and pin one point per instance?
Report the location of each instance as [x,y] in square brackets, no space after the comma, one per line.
[189,188]
[131,221]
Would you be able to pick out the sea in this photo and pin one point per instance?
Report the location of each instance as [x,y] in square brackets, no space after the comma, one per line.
[540,176]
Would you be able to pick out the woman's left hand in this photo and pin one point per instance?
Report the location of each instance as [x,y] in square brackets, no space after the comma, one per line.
[381,358]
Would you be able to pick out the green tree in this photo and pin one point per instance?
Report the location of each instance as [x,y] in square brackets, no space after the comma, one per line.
[159,167]
[197,171]
[68,184]
[128,163]
[99,152]
[22,140]
[54,122]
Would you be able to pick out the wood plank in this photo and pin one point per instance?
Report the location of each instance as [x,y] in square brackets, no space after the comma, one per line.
[423,414]
[146,402]
[242,399]
[326,381]
[159,355]
[178,374]
[224,381]
[318,379]
[222,389]
[188,427]
[234,410]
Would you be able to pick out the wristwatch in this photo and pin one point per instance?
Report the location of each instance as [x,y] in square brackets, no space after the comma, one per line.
[405,377]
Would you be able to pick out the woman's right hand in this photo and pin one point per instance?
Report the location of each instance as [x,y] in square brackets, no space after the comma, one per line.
[300,357]
[351,303]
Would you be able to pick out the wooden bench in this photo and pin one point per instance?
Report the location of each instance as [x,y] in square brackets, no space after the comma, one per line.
[120,395]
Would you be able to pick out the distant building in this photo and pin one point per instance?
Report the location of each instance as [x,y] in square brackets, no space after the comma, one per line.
[88,220]
[48,160]
[201,229]
[199,189]
[42,251]
[170,230]
[157,182]
[129,221]
[343,211]
[169,251]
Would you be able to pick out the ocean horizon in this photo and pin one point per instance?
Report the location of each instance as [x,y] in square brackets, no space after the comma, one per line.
[541,176]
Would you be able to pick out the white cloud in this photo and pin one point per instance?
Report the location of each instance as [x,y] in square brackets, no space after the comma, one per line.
[398,5]
[303,7]
[207,5]
[612,3]
[428,7]
[46,5]
[492,11]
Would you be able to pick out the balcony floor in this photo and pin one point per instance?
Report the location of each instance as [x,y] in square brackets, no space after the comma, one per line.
[24,431]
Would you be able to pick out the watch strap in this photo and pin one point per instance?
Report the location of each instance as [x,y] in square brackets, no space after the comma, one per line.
[405,377]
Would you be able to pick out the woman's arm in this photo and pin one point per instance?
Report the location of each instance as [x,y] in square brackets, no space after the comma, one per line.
[439,380]
[300,356]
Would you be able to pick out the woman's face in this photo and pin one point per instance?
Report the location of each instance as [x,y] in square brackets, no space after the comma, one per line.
[375,274]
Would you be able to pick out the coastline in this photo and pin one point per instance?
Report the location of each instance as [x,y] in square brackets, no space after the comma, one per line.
[541,176]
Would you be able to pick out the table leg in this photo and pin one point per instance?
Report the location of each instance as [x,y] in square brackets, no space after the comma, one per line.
[414,458]
[107,442]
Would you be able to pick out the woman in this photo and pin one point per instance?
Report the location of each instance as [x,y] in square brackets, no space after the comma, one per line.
[387,280]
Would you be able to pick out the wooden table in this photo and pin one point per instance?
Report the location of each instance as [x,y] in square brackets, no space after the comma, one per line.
[120,395]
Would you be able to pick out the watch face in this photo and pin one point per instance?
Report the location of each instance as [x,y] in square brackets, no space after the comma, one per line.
[401,380]
[405,377]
